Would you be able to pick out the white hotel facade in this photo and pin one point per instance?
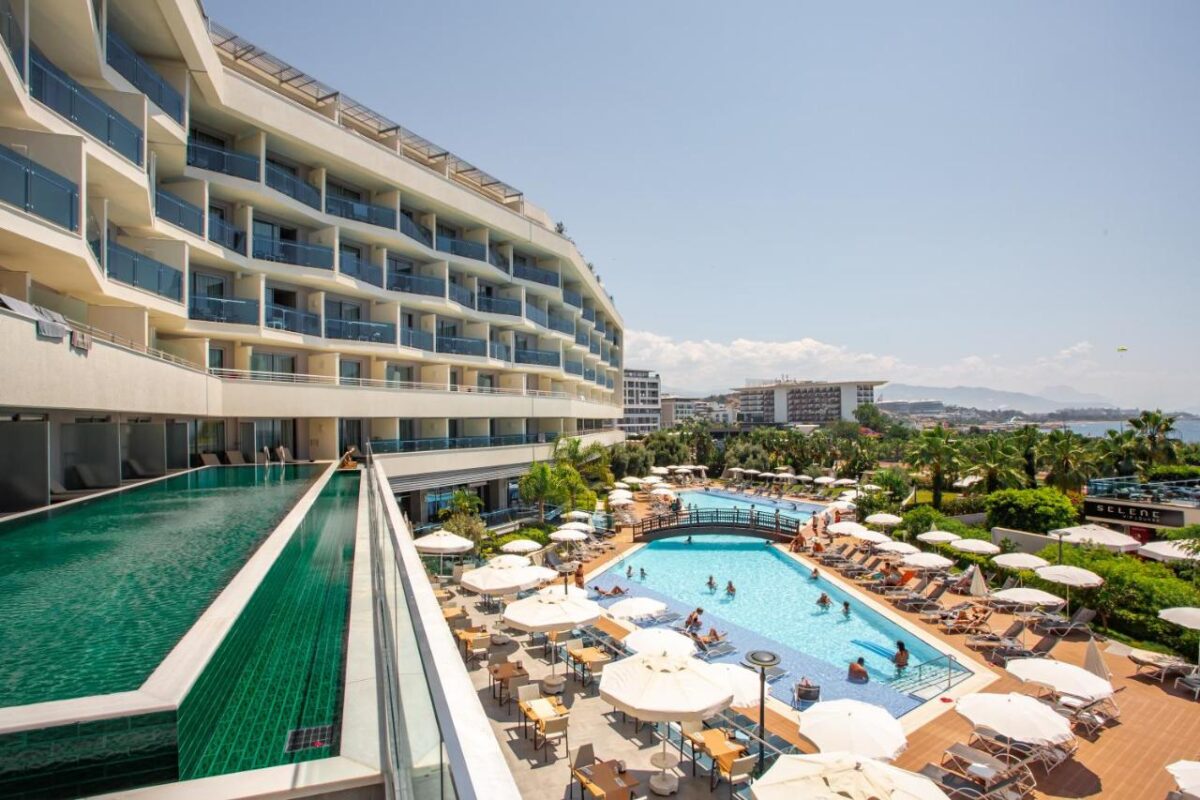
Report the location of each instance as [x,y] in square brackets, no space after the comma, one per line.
[246,258]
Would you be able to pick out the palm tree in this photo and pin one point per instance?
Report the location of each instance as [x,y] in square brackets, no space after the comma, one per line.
[462,501]
[541,485]
[938,453]
[1152,429]
[1028,439]
[998,462]
[1119,452]
[590,461]
[1068,460]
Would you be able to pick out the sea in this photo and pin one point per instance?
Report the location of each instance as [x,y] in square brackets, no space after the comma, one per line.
[1187,430]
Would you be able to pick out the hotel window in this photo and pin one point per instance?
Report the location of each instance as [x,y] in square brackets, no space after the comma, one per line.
[287,298]
[269,230]
[342,309]
[209,436]
[216,357]
[344,192]
[208,285]
[405,429]
[447,230]
[350,372]
[447,327]
[399,373]
[208,139]
[486,381]
[273,362]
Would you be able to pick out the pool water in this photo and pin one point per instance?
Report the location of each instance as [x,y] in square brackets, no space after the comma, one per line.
[97,593]
[788,509]
[775,608]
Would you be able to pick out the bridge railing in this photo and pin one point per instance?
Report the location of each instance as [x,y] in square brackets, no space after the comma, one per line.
[771,523]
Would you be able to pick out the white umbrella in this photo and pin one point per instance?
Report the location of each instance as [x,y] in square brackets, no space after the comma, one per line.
[1069,576]
[744,683]
[620,485]
[652,480]
[619,493]
[541,613]
[842,505]
[736,469]
[501,580]
[766,475]
[1185,616]
[824,480]
[979,587]
[883,520]
[938,537]
[1061,677]
[750,471]
[635,607]
[660,641]
[568,535]
[1020,561]
[520,546]
[663,491]
[578,516]
[632,480]
[871,487]
[978,546]
[1017,716]
[1167,551]
[804,478]
[659,470]
[1186,775]
[901,548]
[620,501]
[841,776]
[1099,536]
[927,561]
[443,543]
[683,470]
[559,590]
[855,727]
[785,476]
[509,560]
[845,528]
[1027,597]
[850,495]
[873,537]
[1093,660]
[845,482]
[575,526]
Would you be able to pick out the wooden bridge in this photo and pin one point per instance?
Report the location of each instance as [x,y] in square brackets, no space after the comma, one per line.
[768,525]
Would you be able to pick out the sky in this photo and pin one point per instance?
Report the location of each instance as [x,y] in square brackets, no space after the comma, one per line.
[941,193]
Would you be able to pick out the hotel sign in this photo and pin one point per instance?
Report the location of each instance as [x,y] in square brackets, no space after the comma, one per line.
[1133,514]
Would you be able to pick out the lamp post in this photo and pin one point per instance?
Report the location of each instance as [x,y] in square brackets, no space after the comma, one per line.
[762,660]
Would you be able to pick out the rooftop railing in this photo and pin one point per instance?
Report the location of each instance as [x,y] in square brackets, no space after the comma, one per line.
[462,247]
[360,330]
[281,180]
[380,384]
[137,71]
[462,345]
[143,272]
[226,234]
[218,159]
[416,284]
[537,316]
[461,294]
[415,230]
[299,253]
[291,319]
[541,358]
[358,267]
[42,192]
[223,309]
[536,274]
[178,212]
[499,305]
[370,213]
[68,98]
[416,338]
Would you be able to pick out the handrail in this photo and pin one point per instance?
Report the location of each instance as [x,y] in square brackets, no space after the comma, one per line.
[377,383]
[99,335]
[778,525]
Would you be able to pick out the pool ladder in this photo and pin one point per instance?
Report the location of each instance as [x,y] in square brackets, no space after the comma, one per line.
[931,678]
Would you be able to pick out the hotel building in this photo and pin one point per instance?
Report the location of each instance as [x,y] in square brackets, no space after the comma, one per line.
[679,409]
[230,255]
[643,403]
[802,402]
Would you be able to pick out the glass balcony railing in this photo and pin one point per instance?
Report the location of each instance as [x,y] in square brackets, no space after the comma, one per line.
[462,247]
[415,230]
[362,212]
[594,348]
[600,327]
[608,383]
[541,358]
[298,253]
[223,309]
[14,37]
[291,319]
[499,305]
[497,259]
[229,162]
[562,324]
[500,351]
[462,345]
[424,445]
[42,192]
[417,284]
[124,60]
[134,269]
[461,295]
[178,212]
[599,379]
[536,274]
[357,267]
[1181,493]
[537,316]
[227,235]
[360,330]
[412,337]
[589,374]
[574,367]
[281,180]
[581,338]
[589,314]
[572,298]
[66,97]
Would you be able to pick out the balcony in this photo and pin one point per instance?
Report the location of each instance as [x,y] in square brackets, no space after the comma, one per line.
[353,266]
[598,380]
[14,38]
[72,101]
[590,315]
[124,60]
[224,309]
[462,346]
[415,230]
[143,272]
[529,272]
[500,351]
[581,338]
[382,446]
[461,295]
[608,383]
[228,236]
[360,330]
[283,181]
[541,358]
[298,253]
[562,324]
[361,212]
[417,339]
[178,212]
[416,284]
[497,259]
[589,374]
[499,305]
[594,348]
[600,327]
[572,298]
[228,162]
[462,247]
[291,319]
[537,316]
[42,192]
[574,367]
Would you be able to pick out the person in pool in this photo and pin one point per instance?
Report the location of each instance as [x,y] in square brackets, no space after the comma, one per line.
[629,572]
[642,573]
[730,589]
[814,575]
[712,583]
[845,608]
[858,671]
[900,659]
[824,602]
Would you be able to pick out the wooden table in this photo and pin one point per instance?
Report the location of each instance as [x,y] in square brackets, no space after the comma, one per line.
[468,636]
[501,674]
[586,656]
[612,784]
[719,747]
[453,612]
[542,709]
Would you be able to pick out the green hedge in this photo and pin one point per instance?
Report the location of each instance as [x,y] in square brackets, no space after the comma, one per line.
[1173,472]
[492,546]
[1035,510]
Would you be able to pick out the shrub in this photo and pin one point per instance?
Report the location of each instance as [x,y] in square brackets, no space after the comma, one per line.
[1173,472]
[492,546]
[965,504]
[1035,510]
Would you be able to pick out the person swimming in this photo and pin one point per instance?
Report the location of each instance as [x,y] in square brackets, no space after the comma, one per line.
[858,671]
[824,601]
[900,659]
[814,575]
[712,583]
[642,573]
[730,589]
[845,608]
[629,572]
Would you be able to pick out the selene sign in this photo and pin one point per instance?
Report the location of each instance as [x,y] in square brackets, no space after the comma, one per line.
[1137,515]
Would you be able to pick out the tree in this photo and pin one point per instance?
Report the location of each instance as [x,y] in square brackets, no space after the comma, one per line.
[998,462]
[1118,452]
[936,452]
[541,485]
[461,516]
[1067,459]
[574,489]
[665,447]
[860,458]
[1152,430]
[1034,510]
[1027,439]
[590,461]
[869,416]
[629,458]
[746,454]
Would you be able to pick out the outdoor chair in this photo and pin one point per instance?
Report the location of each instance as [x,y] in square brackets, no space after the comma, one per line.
[1090,716]
[526,693]
[802,694]
[1190,683]
[1157,665]
[988,640]
[552,730]
[1079,621]
[741,770]
[925,601]
[938,611]
[585,756]
[1041,649]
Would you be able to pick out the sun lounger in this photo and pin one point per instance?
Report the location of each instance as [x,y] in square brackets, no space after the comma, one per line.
[711,651]
[923,602]
[235,457]
[988,640]
[210,460]
[1046,756]
[1190,683]
[959,623]
[1091,716]
[1079,621]
[1159,666]
[898,593]
[59,493]
[1001,655]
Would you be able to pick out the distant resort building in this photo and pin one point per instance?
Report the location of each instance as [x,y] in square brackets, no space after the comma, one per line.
[643,402]
[784,401]
[680,409]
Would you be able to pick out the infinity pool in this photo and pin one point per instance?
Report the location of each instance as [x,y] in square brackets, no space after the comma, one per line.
[97,593]
[788,509]
[775,608]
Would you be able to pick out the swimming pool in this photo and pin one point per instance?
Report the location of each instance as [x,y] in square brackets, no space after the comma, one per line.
[788,509]
[97,593]
[775,609]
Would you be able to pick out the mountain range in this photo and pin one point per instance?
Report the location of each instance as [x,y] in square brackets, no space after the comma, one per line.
[1052,398]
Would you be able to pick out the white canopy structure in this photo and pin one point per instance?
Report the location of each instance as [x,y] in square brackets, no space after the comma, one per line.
[660,470]
[900,548]
[659,641]
[443,542]
[1028,598]
[927,561]
[1184,616]
[568,535]
[938,537]
[520,547]
[575,526]
[1186,775]
[846,528]
[578,516]
[841,505]
[1097,536]
[978,546]
[1061,677]
[637,607]
[620,485]
[845,482]
[872,537]
[632,480]
[824,480]
[1066,575]
[541,613]
[854,727]
[1017,716]
[841,776]
[1167,551]
[620,501]
[804,478]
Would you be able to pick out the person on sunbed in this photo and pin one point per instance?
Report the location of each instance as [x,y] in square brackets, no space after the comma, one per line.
[824,601]
[712,637]
[615,591]
[858,671]
[693,620]
[893,577]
